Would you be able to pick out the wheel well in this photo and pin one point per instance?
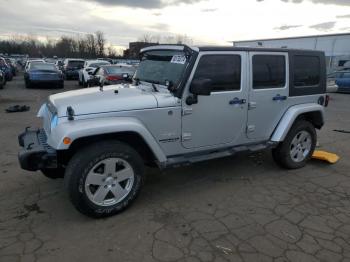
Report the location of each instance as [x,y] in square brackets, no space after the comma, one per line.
[131,138]
[314,117]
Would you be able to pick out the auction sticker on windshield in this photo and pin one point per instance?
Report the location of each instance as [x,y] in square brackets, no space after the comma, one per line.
[178,59]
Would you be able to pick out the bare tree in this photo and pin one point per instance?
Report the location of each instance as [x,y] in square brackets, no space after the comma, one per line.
[101,41]
[146,38]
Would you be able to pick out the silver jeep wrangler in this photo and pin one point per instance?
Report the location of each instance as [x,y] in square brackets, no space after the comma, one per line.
[186,104]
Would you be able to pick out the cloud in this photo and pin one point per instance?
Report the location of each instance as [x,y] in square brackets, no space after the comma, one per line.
[323,26]
[70,19]
[326,2]
[146,4]
[286,27]
[343,16]
[208,10]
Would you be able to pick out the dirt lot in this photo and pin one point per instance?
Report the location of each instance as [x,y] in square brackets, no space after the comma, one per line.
[243,208]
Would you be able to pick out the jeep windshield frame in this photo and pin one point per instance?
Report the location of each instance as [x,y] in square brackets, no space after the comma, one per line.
[161,67]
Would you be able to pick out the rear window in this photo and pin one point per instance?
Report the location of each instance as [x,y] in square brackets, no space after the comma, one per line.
[269,71]
[95,65]
[76,63]
[306,71]
[42,66]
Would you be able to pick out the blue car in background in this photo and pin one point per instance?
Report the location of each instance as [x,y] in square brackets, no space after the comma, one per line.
[342,80]
[43,74]
[4,67]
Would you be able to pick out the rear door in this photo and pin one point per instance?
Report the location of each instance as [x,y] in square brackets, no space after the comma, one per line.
[268,93]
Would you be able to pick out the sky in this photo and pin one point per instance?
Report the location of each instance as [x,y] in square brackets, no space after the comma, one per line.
[206,22]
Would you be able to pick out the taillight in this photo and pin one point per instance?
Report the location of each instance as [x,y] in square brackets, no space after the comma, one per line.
[327,101]
[113,78]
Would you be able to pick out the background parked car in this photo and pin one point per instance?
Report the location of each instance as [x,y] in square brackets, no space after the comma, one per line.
[112,75]
[343,81]
[43,74]
[2,80]
[6,69]
[89,66]
[59,64]
[12,66]
[71,67]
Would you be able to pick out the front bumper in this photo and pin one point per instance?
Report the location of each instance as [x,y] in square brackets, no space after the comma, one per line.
[36,153]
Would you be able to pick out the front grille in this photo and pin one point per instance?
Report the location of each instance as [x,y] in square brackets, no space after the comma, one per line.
[42,138]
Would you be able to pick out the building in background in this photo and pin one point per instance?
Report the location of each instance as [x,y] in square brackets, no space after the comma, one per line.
[133,51]
[335,46]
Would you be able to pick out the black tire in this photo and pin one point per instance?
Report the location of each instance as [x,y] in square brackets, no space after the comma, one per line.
[282,153]
[53,173]
[80,82]
[81,164]
[85,84]
[60,85]
[28,85]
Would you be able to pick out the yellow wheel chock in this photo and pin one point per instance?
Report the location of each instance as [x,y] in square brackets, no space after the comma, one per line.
[325,156]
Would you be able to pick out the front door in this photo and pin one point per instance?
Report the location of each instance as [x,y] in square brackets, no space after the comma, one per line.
[268,93]
[220,118]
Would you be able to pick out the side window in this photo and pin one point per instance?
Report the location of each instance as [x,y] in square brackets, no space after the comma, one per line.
[269,71]
[223,70]
[306,71]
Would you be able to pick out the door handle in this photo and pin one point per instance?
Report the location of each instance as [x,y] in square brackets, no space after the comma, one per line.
[278,97]
[237,101]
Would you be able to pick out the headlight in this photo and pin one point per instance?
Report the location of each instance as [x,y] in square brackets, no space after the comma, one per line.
[54,121]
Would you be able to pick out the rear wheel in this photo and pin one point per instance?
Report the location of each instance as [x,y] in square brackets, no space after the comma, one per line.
[298,146]
[105,178]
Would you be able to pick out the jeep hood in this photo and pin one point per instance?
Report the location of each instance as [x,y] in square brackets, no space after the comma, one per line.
[94,101]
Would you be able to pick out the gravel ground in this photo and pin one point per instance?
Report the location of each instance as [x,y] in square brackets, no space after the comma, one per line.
[243,208]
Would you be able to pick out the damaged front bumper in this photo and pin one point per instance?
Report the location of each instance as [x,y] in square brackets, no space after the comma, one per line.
[36,153]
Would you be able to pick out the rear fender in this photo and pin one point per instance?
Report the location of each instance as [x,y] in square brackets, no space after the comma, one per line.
[292,114]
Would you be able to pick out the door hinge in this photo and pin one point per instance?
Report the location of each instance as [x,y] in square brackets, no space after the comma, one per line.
[250,128]
[251,105]
[186,137]
[187,111]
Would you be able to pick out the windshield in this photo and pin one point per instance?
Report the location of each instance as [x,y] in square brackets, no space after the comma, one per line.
[161,66]
[119,70]
[42,66]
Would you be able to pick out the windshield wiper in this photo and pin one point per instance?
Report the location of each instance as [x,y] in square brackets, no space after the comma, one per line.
[152,82]
[154,88]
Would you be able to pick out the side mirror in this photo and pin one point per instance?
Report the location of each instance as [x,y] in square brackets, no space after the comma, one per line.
[201,87]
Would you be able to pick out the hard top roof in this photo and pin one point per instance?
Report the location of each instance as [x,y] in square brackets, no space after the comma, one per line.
[224,48]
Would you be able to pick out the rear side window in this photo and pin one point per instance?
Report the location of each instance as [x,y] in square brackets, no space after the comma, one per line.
[269,71]
[223,70]
[306,71]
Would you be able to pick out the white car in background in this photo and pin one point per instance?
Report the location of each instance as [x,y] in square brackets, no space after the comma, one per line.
[89,67]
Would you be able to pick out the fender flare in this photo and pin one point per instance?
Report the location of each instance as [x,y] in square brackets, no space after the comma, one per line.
[290,116]
[90,127]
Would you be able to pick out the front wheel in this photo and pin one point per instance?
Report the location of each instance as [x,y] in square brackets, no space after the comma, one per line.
[105,178]
[298,146]
[53,173]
